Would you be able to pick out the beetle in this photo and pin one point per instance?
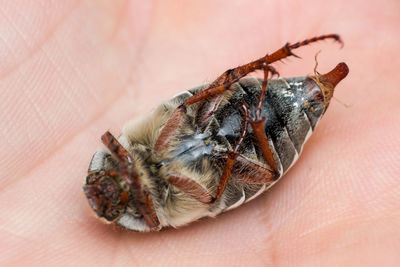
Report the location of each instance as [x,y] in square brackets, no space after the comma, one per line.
[211,148]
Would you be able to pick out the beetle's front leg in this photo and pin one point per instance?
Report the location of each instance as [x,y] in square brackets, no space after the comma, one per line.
[142,199]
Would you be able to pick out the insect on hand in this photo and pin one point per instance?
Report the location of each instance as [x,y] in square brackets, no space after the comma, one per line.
[211,148]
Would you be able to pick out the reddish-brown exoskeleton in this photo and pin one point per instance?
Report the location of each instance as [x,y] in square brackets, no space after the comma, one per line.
[211,148]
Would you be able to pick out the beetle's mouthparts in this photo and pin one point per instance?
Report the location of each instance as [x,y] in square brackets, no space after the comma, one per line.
[328,81]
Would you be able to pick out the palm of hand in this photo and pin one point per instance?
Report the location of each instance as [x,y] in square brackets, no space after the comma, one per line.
[87,67]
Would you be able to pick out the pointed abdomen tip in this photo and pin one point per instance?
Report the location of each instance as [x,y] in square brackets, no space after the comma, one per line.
[336,75]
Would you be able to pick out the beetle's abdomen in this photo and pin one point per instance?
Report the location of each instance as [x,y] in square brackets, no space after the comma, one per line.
[292,108]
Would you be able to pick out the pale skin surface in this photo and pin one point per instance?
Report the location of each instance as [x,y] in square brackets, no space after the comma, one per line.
[70,70]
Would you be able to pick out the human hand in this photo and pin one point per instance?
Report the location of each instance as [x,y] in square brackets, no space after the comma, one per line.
[71,70]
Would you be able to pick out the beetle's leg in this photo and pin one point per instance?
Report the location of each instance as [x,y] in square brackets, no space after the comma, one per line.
[259,174]
[262,94]
[223,83]
[258,125]
[233,75]
[123,156]
[232,155]
[226,174]
[248,171]
[190,187]
[174,121]
[213,104]
[149,212]
[199,193]
[207,109]
[196,191]
[252,172]
[142,199]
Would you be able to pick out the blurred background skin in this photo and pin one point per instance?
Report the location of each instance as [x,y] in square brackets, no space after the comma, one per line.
[70,70]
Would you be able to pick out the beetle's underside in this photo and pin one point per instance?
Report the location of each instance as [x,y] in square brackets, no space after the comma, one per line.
[218,146]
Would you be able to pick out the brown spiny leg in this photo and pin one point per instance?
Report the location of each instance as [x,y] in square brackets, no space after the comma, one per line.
[245,170]
[231,75]
[199,193]
[258,125]
[214,103]
[190,187]
[232,155]
[142,199]
[252,172]
[259,132]
[223,83]
[174,121]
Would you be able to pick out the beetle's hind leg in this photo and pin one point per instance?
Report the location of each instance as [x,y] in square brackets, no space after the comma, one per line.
[223,83]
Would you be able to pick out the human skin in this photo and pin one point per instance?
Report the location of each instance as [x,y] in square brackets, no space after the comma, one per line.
[70,70]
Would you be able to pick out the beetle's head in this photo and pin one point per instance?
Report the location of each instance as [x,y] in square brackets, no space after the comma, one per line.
[118,185]
[105,194]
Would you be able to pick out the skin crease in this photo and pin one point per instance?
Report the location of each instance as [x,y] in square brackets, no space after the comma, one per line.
[70,70]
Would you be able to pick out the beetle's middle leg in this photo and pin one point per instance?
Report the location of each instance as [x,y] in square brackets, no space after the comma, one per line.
[254,173]
[223,83]
[197,191]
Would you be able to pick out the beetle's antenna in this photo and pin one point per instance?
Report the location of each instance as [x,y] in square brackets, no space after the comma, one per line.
[316,73]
